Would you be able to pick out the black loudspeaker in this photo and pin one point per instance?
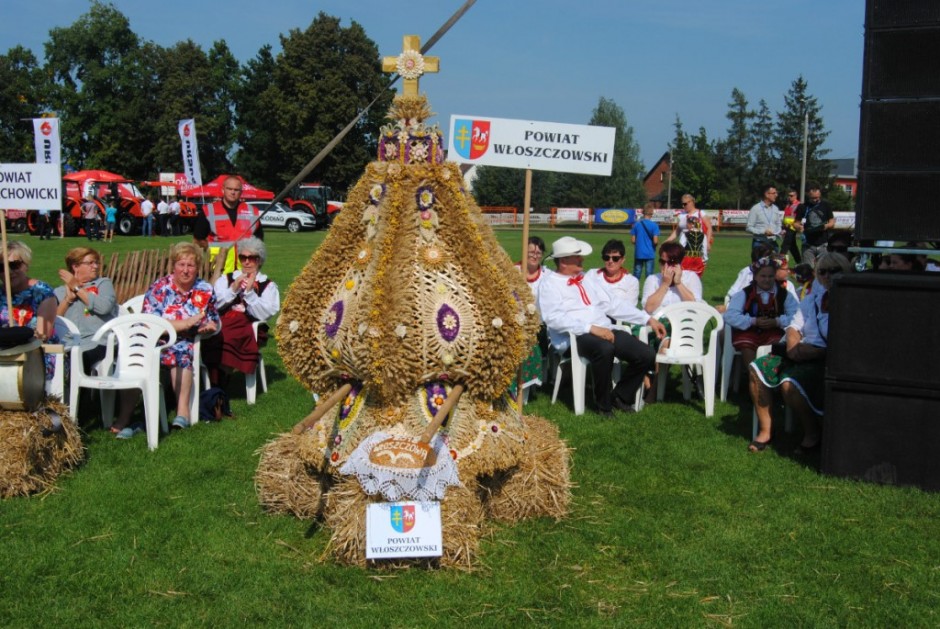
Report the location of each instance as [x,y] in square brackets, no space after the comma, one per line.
[882,418]
[882,434]
[899,164]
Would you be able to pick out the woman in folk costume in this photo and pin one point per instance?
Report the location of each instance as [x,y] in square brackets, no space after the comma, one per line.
[759,313]
[800,372]
[693,232]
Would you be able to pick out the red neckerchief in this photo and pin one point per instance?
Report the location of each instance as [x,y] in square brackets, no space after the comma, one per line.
[538,274]
[607,279]
[576,280]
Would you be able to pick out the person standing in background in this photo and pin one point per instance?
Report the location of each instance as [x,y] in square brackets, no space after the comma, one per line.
[645,237]
[790,234]
[163,217]
[763,220]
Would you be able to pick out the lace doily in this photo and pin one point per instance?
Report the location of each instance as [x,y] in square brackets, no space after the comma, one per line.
[422,484]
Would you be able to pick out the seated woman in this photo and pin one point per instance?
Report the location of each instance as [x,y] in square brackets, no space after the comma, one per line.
[86,299]
[901,262]
[799,374]
[534,273]
[673,283]
[758,314]
[242,297]
[33,300]
[188,302]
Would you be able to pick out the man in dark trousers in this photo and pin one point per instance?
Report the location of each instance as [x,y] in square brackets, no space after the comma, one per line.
[814,219]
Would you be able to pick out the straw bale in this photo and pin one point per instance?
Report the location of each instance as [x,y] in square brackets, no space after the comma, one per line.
[285,484]
[345,515]
[540,485]
[30,461]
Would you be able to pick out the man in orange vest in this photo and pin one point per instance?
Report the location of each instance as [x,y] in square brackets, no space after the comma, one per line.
[223,223]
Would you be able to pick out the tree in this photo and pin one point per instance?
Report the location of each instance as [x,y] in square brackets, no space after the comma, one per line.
[788,138]
[506,187]
[21,96]
[693,167]
[624,187]
[735,154]
[104,86]
[764,169]
[259,156]
[324,76]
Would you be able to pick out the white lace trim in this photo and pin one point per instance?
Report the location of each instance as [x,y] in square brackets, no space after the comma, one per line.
[422,484]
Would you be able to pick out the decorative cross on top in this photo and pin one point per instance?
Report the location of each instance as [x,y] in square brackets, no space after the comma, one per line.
[410,64]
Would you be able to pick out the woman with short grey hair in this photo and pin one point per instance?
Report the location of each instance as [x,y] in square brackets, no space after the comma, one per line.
[244,296]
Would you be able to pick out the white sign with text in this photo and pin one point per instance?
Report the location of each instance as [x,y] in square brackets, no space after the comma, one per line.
[30,187]
[403,529]
[554,146]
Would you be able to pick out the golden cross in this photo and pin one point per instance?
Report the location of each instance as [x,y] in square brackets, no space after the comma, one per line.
[411,57]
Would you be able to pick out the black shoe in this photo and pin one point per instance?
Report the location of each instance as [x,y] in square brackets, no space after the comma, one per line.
[622,406]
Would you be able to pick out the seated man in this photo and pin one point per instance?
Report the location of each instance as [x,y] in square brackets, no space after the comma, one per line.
[570,305]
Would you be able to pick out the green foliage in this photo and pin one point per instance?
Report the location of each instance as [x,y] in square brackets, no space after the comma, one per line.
[624,187]
[506,187]
[800,107]
[673,523]
[693,167]
[735,154]
[323,78]
[22,95]
[840,200]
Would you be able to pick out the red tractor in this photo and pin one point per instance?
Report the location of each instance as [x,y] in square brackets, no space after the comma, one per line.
[127,196]
[314,198]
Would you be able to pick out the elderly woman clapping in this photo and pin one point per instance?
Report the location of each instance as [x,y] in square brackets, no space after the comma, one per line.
[243,297]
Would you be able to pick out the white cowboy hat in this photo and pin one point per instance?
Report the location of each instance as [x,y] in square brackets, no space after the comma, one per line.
[568,246]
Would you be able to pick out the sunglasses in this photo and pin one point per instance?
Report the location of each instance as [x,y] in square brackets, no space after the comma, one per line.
[247,258]
[667,261]
[609,258]
[15,265]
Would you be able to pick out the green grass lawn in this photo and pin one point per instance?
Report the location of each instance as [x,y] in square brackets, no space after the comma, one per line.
[673,524]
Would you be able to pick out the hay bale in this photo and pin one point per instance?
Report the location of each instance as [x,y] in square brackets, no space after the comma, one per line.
[540,485]
[285,484]
[34,451]
[345,515]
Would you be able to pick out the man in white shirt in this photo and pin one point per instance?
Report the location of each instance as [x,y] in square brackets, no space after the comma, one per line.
[174,217]
[146,211]
[163,216]
[764,221]
[568,304]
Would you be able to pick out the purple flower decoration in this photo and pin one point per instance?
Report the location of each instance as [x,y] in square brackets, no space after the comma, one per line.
[436,395]
[376,192]
[334,318]
[348,405]
[425,198]
[448,323]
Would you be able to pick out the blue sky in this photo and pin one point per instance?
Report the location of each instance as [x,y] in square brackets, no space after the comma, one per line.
[552,59]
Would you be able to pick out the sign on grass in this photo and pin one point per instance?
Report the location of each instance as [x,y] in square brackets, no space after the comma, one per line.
[403,529]
[554,146]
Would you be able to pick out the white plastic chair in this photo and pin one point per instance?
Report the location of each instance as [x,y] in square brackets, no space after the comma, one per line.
[139,338]
[687,321]
[251,379]
[69,339]
[763,350]
[200,375]
[729,358]
[134,305]
[579,366]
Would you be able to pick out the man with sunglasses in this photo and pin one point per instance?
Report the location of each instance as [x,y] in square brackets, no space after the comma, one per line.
[223,223]
[815,220]
[569,304]
[620,286]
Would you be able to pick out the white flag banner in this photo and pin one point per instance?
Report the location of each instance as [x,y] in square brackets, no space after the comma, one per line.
[187,129]
[46,137]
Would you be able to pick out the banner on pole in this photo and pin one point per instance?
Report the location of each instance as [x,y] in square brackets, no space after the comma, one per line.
[554,146]
[187,131]
[46,138]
